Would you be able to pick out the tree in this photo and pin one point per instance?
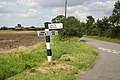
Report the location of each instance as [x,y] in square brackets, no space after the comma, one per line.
[105,23]
[71,26]
[106,27]
[82,27]
[4,28]
[115,18]
[89,25]
[33,27]
[19,25]
[58,19]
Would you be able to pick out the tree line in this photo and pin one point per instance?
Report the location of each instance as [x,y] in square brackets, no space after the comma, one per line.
[105,27]
[20,27]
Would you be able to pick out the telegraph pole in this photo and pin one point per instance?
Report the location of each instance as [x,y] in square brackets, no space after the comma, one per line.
[65,8]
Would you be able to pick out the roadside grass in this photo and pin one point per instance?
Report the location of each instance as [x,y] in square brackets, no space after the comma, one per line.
[105,39]
[71,58]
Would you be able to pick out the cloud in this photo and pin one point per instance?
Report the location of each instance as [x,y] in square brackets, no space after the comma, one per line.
[51,3]
[20,11]
[79,11]
[6,7]
[98,9]
[28,3]
[30,12]
[101,6]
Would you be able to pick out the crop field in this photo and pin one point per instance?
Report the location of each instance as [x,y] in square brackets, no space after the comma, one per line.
[15,39]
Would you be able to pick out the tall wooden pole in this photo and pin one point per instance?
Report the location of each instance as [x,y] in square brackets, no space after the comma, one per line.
[65,8]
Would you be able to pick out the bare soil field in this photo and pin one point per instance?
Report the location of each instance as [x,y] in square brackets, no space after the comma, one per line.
[15,39]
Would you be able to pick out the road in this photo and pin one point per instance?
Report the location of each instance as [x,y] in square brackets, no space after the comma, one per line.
[107,67]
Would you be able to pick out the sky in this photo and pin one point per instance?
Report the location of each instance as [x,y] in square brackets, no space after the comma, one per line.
[36,12]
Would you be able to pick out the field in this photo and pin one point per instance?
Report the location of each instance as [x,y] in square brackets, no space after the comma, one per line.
[10,40]
[28,61]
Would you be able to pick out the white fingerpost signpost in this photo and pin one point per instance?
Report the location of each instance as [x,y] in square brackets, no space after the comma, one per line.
[47,33]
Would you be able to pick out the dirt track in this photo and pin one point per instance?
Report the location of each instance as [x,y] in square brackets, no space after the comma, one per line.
[15,39]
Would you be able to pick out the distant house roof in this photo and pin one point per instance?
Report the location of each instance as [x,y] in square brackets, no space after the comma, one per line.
[19,27]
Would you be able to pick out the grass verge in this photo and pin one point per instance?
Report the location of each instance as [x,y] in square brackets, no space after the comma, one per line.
[105,39]
[71,58]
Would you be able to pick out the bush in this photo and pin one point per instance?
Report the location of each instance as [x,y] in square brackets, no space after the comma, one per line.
[72,26]
[4,28]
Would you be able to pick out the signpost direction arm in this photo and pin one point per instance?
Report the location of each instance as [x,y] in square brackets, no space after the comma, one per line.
[55,26]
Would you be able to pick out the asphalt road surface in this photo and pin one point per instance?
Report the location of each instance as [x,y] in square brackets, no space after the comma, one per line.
[107,67]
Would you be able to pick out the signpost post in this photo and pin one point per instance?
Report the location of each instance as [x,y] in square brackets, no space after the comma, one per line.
[48,33]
